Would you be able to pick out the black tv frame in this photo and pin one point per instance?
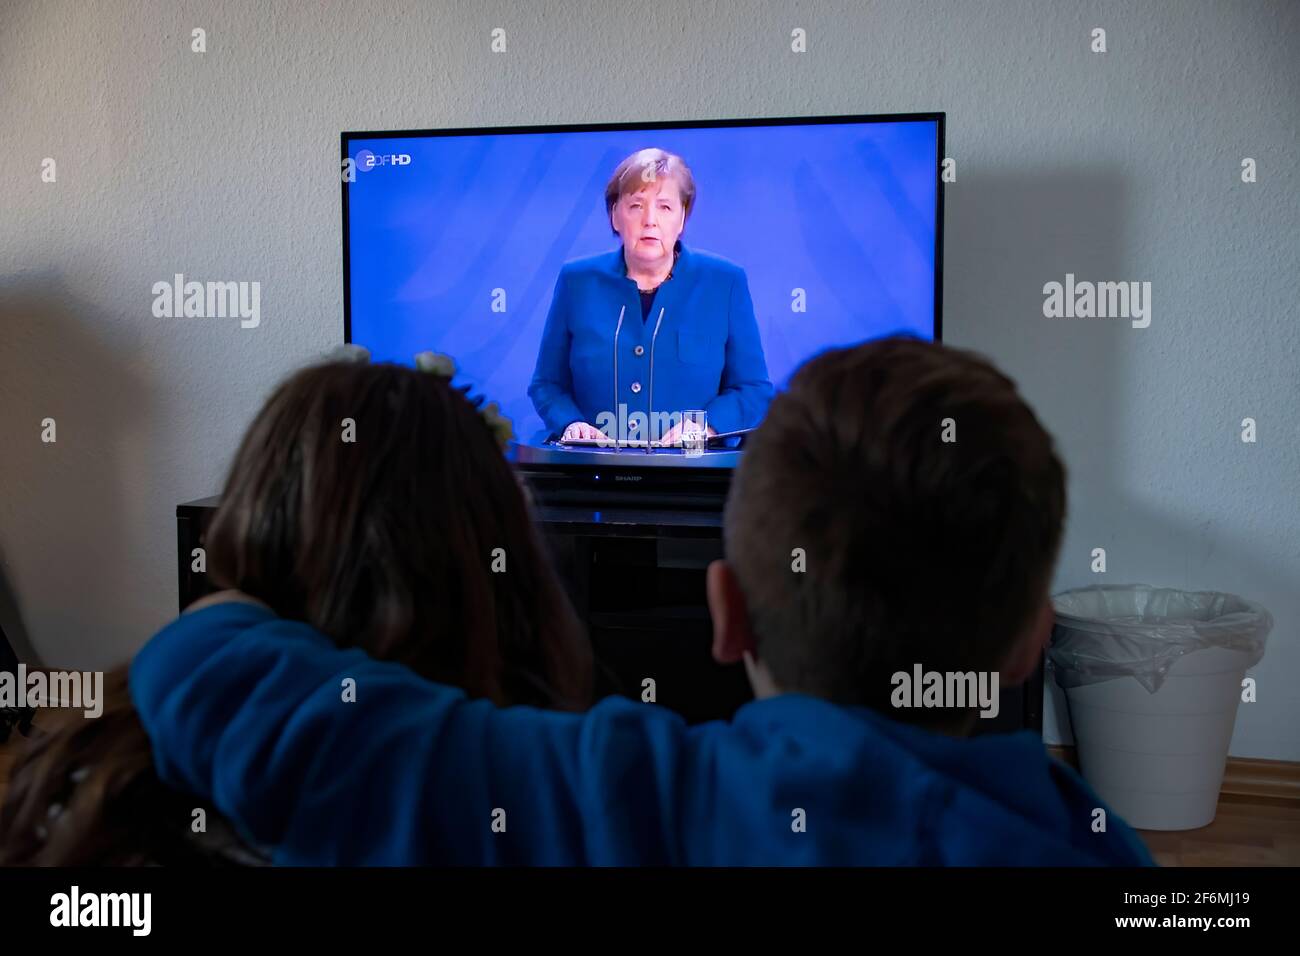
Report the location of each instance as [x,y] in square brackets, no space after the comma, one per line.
[940,117]
[694,487]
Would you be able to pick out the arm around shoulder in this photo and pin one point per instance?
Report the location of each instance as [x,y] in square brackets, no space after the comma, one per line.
[331,757]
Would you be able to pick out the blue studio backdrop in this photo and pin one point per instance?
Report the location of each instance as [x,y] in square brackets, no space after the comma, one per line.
[438,224]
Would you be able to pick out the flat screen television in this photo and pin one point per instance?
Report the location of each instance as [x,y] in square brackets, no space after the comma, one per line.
[632,295]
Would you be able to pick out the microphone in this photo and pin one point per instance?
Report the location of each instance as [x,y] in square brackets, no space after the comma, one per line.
[651,401]
[614,407]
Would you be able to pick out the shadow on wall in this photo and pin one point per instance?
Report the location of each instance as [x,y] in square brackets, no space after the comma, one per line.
[1007,234]
[64,525]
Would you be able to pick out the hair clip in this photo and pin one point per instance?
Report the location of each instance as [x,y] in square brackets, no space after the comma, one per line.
[441,365]
[444,366]
[350,352]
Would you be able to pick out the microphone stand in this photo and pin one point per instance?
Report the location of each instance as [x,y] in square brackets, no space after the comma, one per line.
[651,402]
[614,407]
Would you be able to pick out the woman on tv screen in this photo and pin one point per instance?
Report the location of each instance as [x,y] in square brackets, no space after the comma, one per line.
[638,336]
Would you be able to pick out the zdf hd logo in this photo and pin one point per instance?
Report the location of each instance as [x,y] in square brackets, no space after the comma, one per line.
[367,160]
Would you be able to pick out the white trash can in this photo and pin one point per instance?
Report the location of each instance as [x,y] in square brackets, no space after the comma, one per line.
[1152,679]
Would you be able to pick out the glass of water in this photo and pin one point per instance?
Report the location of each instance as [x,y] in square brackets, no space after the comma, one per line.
[695,425]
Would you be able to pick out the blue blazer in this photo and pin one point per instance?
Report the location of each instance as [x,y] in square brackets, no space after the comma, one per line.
[702,352]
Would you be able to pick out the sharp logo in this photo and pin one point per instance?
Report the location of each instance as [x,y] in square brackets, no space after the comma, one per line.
[627,477]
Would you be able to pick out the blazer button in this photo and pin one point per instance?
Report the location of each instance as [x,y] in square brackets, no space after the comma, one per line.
[636,388]
[639,350]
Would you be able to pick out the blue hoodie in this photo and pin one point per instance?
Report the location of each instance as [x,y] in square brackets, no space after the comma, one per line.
[248,711]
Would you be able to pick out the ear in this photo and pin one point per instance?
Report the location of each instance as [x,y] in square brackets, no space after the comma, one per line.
[1024,658]
[732,635]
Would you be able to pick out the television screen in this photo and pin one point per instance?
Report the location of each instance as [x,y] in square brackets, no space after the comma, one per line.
[645,286]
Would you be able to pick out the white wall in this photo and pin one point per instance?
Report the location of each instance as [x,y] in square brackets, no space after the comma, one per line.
[1123,165]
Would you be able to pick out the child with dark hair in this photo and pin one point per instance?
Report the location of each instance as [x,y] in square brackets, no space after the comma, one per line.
[366,503]
[899,506]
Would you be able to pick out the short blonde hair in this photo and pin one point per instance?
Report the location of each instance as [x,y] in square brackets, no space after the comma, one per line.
[644,167]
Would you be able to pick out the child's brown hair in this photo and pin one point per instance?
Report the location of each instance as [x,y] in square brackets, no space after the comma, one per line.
[925,502]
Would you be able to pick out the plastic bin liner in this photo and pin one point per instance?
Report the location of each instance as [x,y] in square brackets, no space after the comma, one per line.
[1104,632]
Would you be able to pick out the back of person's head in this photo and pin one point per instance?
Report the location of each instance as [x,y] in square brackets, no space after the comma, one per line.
[899,505]
[374,503]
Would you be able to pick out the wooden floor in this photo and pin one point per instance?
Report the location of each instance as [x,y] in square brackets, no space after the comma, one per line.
[1246,832]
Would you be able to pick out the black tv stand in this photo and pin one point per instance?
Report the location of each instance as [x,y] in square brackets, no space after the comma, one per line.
[667,480]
